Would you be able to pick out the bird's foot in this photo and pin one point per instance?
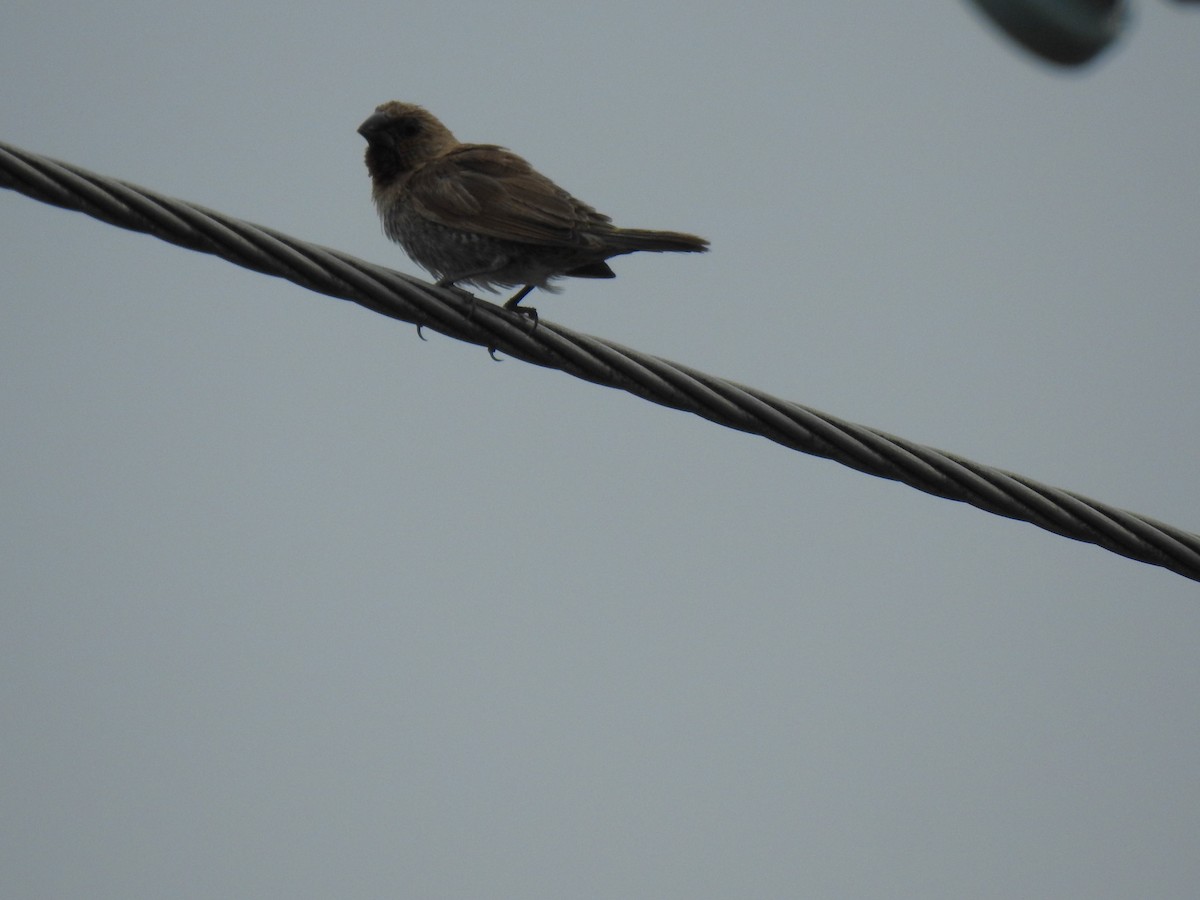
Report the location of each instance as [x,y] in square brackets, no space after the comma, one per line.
[526,312]
[448,284]
[529,312]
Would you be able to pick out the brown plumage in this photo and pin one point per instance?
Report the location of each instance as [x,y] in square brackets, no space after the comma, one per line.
[479,214]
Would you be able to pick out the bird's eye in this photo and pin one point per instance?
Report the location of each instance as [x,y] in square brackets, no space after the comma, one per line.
[405,127]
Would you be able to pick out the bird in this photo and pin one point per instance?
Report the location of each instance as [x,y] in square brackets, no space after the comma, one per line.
[479,214]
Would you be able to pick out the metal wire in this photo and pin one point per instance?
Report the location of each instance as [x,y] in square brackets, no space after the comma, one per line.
[603,362]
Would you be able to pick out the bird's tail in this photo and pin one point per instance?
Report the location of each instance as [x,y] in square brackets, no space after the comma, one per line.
[630,240]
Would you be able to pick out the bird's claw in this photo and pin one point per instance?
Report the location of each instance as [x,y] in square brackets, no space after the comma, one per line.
[527,312]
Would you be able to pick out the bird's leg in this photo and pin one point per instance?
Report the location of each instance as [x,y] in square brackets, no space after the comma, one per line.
[514,301]
[527,311]
[516,298]
[449,283]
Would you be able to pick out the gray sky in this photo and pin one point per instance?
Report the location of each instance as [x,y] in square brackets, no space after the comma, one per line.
[296,605]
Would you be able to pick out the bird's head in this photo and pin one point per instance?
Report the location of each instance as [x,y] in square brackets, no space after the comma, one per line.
[401,136]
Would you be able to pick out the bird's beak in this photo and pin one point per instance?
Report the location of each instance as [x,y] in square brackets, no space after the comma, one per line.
[373,125]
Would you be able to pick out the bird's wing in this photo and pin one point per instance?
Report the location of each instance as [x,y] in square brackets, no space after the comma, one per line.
[489,190]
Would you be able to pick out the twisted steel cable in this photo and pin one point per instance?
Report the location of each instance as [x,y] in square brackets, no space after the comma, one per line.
[652,378]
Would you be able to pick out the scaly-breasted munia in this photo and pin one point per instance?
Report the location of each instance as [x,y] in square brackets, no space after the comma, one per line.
[479,214]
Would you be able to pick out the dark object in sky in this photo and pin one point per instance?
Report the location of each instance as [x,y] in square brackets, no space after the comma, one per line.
[479,214]
[1066,32]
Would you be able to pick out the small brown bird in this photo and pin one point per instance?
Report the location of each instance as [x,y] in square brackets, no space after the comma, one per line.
[479,214]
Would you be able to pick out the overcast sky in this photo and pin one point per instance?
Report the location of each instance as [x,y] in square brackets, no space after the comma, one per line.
[297,605]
